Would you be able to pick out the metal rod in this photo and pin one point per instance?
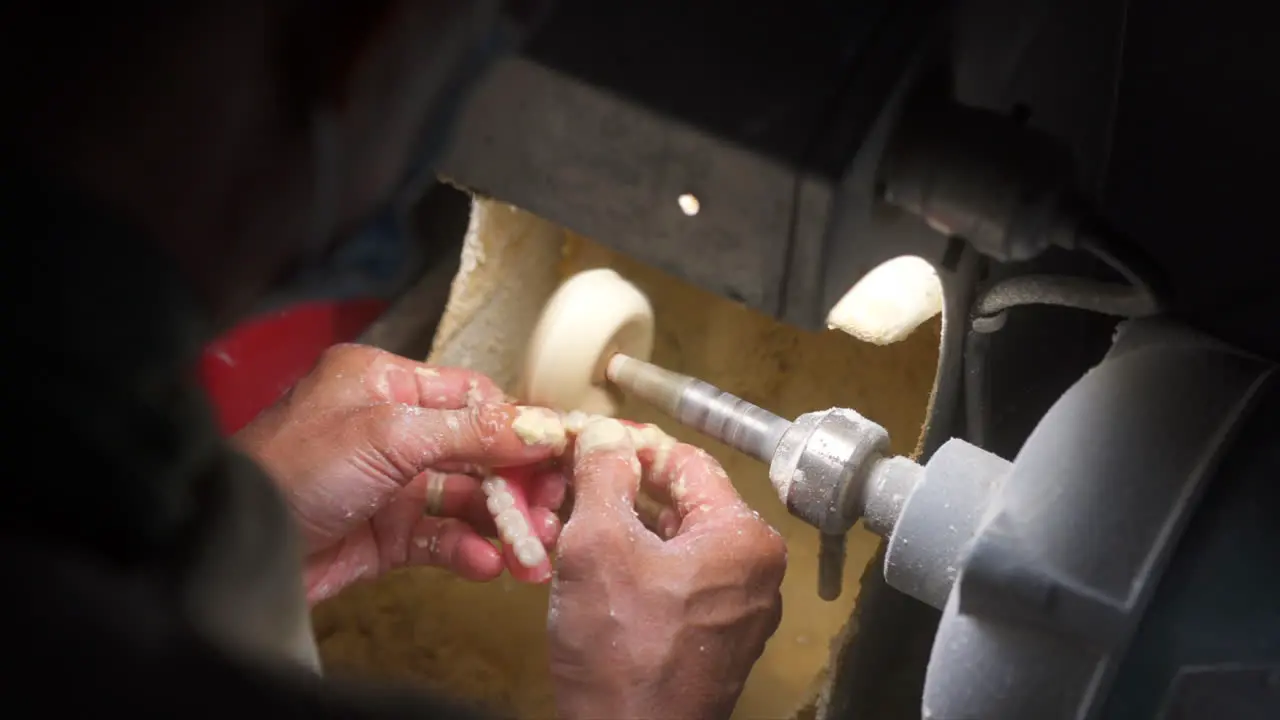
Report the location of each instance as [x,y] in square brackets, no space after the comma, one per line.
[728,418]
[831,555]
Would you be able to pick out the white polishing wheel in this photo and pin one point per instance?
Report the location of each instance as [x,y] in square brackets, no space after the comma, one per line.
[592,315]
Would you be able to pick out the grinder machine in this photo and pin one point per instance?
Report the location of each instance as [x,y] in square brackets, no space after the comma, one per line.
[1091,529]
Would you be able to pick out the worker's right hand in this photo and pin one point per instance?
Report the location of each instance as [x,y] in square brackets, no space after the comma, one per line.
[642,627]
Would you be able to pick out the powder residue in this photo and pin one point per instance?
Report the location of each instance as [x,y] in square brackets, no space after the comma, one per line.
[539,426]
[487,642]
[508,268]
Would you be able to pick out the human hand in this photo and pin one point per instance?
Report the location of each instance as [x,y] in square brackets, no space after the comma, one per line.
[373,453]
[642,627]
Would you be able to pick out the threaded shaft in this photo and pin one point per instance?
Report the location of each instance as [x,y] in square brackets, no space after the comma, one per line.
[733,421]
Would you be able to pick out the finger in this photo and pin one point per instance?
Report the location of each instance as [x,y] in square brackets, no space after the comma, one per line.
[545,493]
[606,472]
[446,494]
[451,544]
[479,471]
[697,485]
[413,439]
[547,489]
[460,497]
[397,529]
[452,388]
[368,374]
[656,515]
[546,525]
[653,503]
[523,549]
[455,496]
[461,468]
[400,379]
[653,447]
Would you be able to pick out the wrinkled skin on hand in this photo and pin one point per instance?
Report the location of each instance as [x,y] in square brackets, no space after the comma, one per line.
[642,624]
[358,443]
[642,627]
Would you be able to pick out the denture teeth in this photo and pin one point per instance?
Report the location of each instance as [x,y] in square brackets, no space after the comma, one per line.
[529,552]
[575,420]
[501,502]
[498,502]
[512,526]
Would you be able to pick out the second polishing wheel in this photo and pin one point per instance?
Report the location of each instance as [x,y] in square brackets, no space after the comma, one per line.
[592,316]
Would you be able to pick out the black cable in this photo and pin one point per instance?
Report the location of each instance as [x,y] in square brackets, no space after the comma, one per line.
[976,345]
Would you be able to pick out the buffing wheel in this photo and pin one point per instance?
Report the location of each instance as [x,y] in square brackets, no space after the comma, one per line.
[592,316]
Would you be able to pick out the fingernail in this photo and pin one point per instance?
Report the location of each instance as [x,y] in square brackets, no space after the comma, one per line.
[553,494]
[669,522]
[550,530]
[539,426]
[602,434]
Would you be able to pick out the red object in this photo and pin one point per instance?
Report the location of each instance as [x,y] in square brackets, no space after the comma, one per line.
[256,363]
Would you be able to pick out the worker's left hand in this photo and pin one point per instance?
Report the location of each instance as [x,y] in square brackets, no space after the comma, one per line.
[371,451]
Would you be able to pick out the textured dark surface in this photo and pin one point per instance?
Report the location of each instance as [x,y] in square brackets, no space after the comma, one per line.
[758,75]
[616,110]
[1209,646]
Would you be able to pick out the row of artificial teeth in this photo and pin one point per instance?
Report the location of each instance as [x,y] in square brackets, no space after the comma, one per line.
[513,529]
[651,437]
[643,437]
[574,421]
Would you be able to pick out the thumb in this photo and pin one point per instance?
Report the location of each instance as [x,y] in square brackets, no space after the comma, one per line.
[413,438]
[606,471]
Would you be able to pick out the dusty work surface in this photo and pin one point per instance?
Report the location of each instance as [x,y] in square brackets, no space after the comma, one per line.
[487,642]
